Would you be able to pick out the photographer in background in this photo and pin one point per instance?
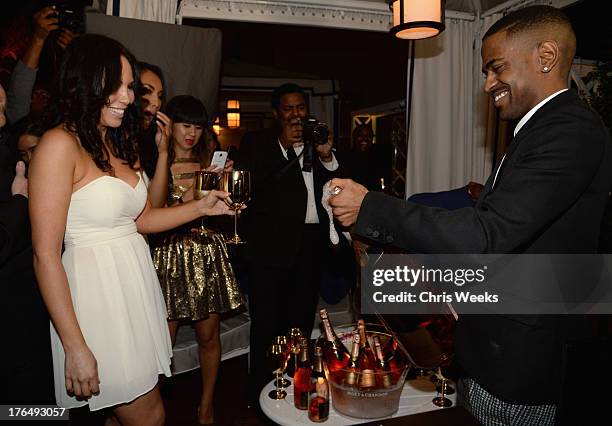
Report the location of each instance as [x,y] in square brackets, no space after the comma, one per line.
[22,99]
[288,229]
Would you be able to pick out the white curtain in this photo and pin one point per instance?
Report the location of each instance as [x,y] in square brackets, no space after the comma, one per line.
[448,145]
[148,10]
[190,57]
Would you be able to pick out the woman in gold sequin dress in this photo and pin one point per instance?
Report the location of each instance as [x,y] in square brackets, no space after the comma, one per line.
[191,261]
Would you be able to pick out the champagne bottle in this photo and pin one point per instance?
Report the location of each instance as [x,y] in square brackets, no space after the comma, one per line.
[301,378]
[395,359]
[365,343]
[352,374]
[336,354]
[367,361]
[318,397]
[382,369]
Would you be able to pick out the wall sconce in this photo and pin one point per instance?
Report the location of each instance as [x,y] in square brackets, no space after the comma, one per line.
[217,127]
[233,113]
[417,19]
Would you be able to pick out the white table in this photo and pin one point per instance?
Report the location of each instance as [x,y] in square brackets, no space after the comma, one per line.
[415,398]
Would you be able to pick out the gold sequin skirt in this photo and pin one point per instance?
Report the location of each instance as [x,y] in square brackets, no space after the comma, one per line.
[195,274]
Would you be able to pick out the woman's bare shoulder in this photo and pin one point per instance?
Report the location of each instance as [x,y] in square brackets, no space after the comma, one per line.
[59,140]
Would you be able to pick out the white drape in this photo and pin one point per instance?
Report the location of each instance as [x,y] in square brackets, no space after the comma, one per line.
[447,145]
[148,10]
[454,123]
[190,57]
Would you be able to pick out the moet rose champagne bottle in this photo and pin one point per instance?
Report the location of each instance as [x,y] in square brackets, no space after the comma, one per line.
[318,397]
[301,378]
[366,361]
[336,354]
[352,368]
[383,377]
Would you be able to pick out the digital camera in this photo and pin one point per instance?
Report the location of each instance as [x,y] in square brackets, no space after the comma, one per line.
[314,131]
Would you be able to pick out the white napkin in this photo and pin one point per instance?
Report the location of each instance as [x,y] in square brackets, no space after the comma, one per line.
[327,192]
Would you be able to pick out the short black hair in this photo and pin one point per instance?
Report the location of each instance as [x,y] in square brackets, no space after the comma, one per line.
[284,89]
[527,19]
[187,109]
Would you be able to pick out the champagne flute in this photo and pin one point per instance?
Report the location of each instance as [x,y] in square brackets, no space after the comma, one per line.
[203,183]
[295,334]
[275,358]
[238,184]
[282,341]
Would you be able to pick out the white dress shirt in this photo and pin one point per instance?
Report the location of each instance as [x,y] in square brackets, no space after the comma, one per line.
[311,206]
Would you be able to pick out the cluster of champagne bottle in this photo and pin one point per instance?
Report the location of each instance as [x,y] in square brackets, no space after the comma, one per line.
[368,366]
[364,368]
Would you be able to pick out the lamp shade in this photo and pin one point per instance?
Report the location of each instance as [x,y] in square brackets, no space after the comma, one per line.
[233,113]
[417,19]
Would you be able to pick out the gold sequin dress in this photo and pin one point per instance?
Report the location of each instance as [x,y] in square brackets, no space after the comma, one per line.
[193,267]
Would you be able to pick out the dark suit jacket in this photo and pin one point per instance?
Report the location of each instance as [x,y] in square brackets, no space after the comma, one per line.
[451,200]
[26,374]
[549,197]
[275,215]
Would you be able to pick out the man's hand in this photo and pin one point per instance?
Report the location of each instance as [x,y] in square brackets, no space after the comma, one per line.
[65,38]
[325,152]
[291,132]
[347,203]
[45,21]
[20,183]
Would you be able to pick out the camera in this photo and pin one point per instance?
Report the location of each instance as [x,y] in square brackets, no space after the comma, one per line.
[314,131]
[69,17]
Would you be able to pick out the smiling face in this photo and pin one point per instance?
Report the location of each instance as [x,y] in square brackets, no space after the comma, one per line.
[152,97]
[512,74]
[292,106]
[186,136]
[363,138]
[112,113]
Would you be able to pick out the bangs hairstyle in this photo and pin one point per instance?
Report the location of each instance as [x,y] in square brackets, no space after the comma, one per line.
[187,109]
[89,73]
[190,110]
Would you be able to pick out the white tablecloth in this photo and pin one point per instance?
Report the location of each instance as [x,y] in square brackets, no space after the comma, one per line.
[416,398]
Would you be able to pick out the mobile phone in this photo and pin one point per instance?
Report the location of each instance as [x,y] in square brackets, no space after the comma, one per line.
[218,160]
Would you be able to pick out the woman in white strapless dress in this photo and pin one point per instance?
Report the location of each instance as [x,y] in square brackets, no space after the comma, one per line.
[109,334]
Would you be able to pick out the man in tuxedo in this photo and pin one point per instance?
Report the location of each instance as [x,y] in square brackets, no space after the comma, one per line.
[288,229]
[547,195]
[26,374]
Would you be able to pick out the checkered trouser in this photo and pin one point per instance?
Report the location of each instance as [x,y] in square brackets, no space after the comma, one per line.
[492,411]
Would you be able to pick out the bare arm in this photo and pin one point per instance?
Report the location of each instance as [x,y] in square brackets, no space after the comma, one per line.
[51,178]
[158,188]
[153,220]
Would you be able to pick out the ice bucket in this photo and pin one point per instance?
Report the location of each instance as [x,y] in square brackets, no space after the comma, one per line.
[367,404]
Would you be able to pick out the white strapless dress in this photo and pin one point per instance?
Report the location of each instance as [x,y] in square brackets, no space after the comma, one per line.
[115,292]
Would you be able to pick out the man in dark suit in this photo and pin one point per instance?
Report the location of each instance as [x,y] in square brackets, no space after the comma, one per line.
[26,374]
[547,195]
[287,228]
